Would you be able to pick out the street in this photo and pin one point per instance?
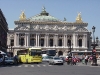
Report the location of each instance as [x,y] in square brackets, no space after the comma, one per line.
[46,69]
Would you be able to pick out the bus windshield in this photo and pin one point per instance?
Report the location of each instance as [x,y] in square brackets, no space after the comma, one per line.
[51,52]
[22,52]
[35,52]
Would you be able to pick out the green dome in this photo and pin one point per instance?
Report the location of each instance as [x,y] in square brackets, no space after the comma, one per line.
[43,16]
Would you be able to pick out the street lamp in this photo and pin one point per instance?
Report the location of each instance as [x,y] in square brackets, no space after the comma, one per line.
[94,44]
[70,50]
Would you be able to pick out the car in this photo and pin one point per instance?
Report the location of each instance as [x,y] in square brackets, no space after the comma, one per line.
[46,58]
[98,61]
[56,60]
[9,60]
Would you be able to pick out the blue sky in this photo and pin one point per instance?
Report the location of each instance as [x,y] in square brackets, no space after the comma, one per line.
[90,10]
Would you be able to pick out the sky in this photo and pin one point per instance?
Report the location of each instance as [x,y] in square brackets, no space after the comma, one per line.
[90,10]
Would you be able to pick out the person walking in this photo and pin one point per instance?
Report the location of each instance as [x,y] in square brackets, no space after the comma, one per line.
[86,59]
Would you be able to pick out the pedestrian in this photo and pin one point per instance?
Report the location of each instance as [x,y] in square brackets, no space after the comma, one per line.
[86,59]
[74,60]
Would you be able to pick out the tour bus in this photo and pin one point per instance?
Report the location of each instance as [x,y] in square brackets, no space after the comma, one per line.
[48,52]
[30,55]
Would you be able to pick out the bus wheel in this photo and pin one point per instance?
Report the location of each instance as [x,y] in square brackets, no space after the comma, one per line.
[37,63]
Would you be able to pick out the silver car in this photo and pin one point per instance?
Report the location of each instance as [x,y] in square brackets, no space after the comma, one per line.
[56,60]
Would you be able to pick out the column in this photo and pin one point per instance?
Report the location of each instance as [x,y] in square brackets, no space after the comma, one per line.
[57,40]
[15,39]
[54,40]
[8,39]
[25,39]
[36,40]
[76,40]
[85,40]
[45,38]
[18,39]
[64,40]
[73,40]
[28,39]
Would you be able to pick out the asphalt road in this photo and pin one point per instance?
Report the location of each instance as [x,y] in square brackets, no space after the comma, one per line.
[46,69]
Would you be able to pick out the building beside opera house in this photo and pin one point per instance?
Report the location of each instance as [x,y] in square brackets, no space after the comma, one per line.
[48,32]
[3,32]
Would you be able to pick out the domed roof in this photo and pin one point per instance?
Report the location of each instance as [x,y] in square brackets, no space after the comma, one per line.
[43,16]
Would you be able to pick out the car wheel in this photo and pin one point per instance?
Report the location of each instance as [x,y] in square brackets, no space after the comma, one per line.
[62,64]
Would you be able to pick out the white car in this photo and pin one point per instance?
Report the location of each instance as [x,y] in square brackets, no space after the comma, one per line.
[56,60]
[98,61]
[46,58]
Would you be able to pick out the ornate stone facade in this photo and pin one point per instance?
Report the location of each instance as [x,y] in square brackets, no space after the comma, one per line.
[45,31]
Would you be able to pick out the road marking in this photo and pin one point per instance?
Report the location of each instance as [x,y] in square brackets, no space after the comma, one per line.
[44,65]
[38,65]
[26,65]
[19,66]
[49,65]
[94,66]
[32,65]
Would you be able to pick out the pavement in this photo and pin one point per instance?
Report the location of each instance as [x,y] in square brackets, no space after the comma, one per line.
[46,69]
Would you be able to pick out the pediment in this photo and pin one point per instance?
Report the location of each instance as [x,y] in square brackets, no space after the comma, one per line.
[55,28]
[81,29]
[37,27]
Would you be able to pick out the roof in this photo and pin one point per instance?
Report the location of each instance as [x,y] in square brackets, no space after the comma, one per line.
[43,16]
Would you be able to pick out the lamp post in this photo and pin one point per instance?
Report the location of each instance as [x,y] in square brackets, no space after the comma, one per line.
[70,50]
[94,44]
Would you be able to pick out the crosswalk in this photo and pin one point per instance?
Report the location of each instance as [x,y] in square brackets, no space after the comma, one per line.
[33,66]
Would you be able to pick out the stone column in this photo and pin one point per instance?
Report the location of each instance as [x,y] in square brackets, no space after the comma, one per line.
[55,42]
[36,40]
[66,40]
[18,39]
[25,39]
[45,38]
[28,39]
[76,41]
[83,41]
[15,39]
[8,39]
[73,40]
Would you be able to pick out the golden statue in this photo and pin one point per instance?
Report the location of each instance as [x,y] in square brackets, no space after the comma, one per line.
[79,18]
[22,16]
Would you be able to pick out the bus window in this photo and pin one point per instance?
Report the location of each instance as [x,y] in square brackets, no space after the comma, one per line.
[35,52]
